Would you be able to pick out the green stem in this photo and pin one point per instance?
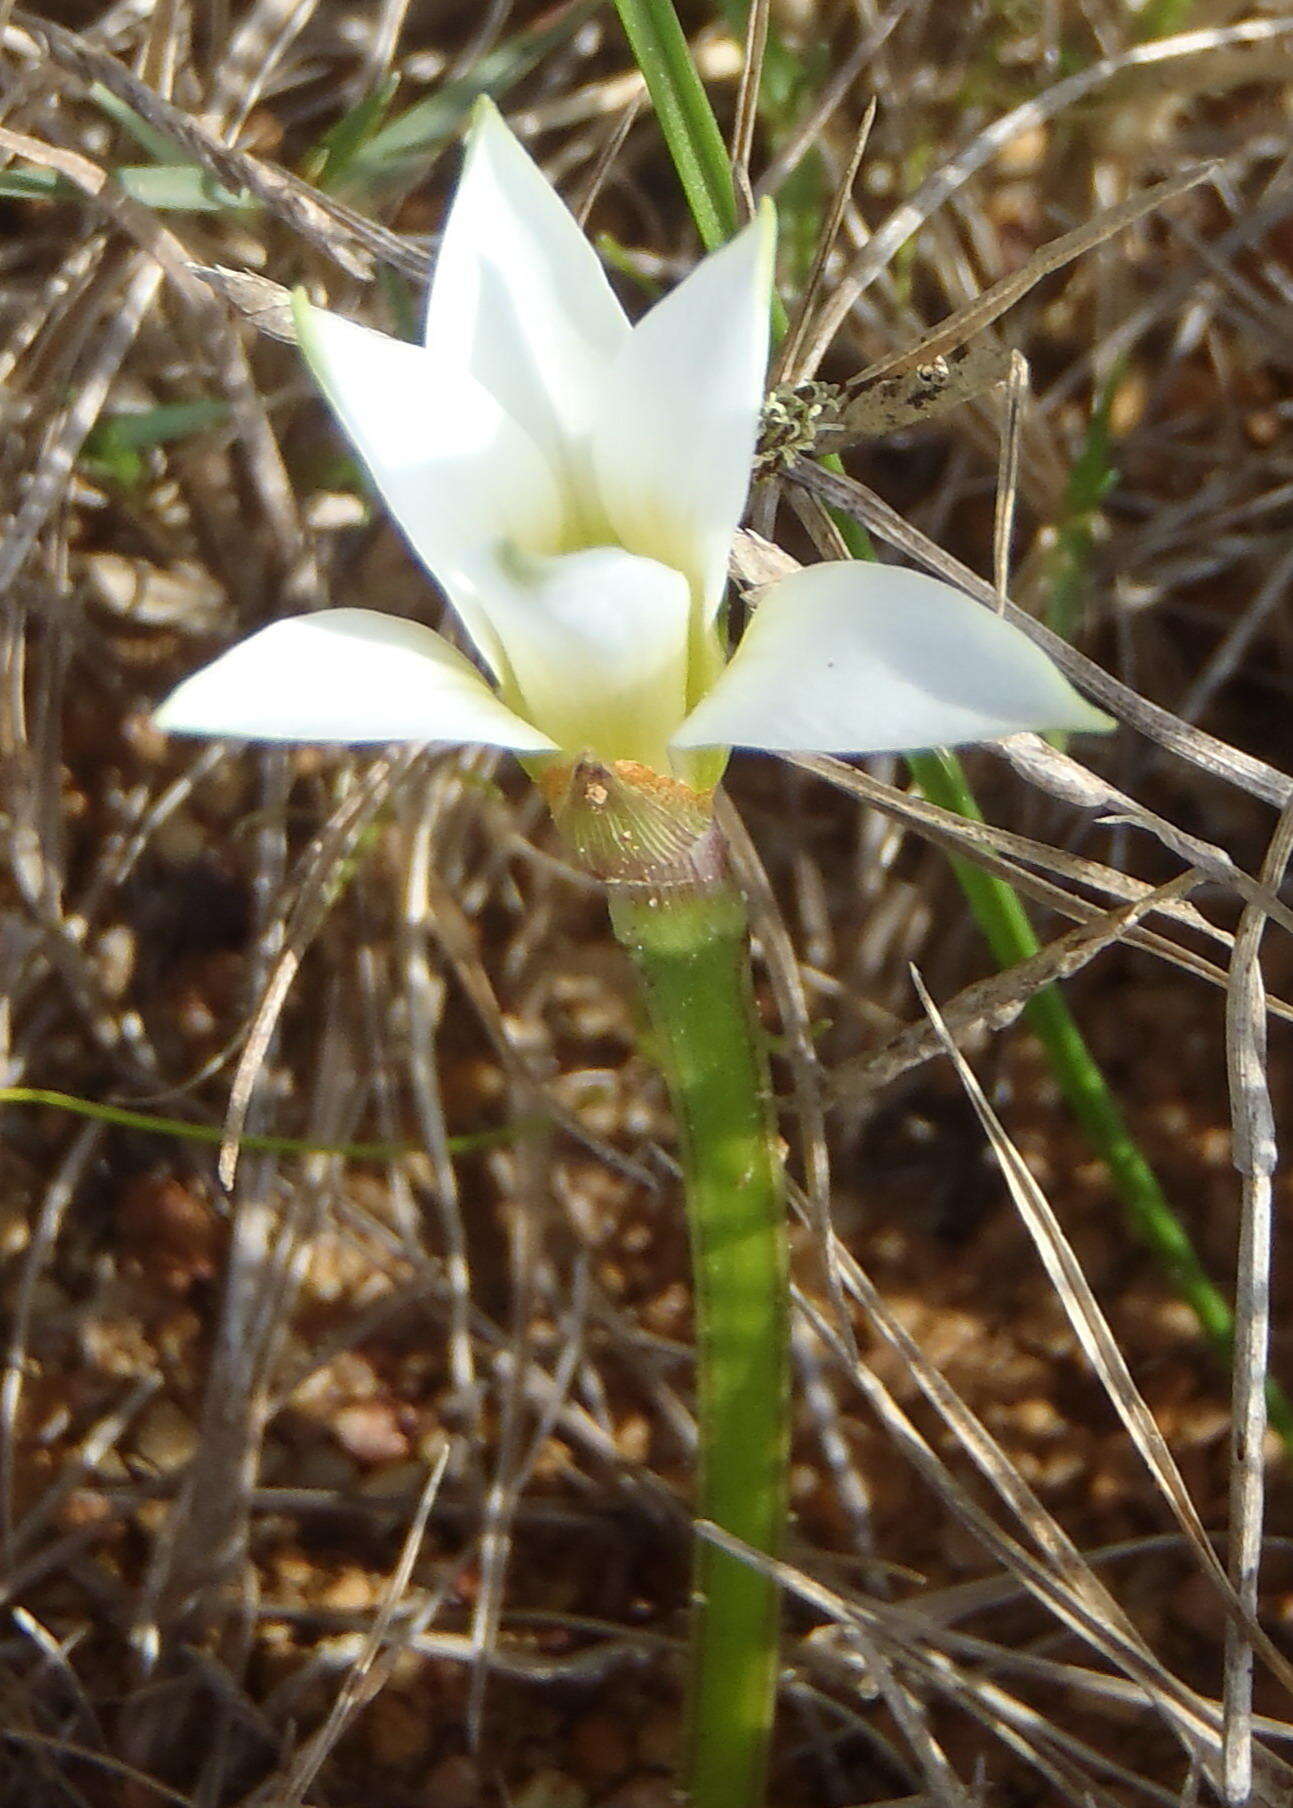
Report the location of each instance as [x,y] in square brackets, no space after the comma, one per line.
[690,951]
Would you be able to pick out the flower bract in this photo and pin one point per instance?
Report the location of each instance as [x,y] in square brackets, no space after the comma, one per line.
[573,482]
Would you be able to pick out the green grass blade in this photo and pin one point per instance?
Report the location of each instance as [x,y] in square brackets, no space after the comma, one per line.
[121,1117]
[159,146]
[1010,935]
[686,117]
[1092,476]
[165,187]
[180,188]
[329,163]
[142,427]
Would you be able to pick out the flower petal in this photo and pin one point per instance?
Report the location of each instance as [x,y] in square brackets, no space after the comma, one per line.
[455,471]
[679,413]
[597,646]
[345,675]
[519,298]
[856,658]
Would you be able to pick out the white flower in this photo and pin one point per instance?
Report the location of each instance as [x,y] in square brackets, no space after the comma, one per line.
[574,483]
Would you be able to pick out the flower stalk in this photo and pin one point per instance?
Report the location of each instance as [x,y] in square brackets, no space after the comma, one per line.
[677,911]
[689,947]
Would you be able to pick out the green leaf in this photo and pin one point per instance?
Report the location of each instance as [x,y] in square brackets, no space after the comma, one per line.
[329,163]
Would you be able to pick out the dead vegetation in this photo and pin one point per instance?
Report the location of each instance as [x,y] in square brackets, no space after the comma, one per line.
[345,1474]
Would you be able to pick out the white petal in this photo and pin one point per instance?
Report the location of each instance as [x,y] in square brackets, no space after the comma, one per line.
[597,645]
[345,675]
[455,471]
[859,658]
[679,413]
[519,298]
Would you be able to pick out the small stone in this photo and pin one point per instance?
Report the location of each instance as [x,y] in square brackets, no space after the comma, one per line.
[169,1231]
[351,1590]
[1262,428]
[165,1436]
[633,1437]
[370,1432]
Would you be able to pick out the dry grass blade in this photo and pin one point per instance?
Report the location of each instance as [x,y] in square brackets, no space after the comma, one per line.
[778,951]
[996,1002]
[348,238]
[1255,1154]
[319,889]
[95,1448]
[980,841]
[263,304]
[68,431]
[1008,478]
[822,1409]
[922,394]
[58,1196]
[129,1776]
[367,1673]
[1073,783]
[1069,1578]
[812,132]
[901,1696]
[609,153]
[987,144]
[967,323]
[257,47]
[1002,852]
[508,1478]
[786,359]
[747,101]
[1099,1343]
[424,997]
[1062,1582]
[1061,1579]
[1225,661]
